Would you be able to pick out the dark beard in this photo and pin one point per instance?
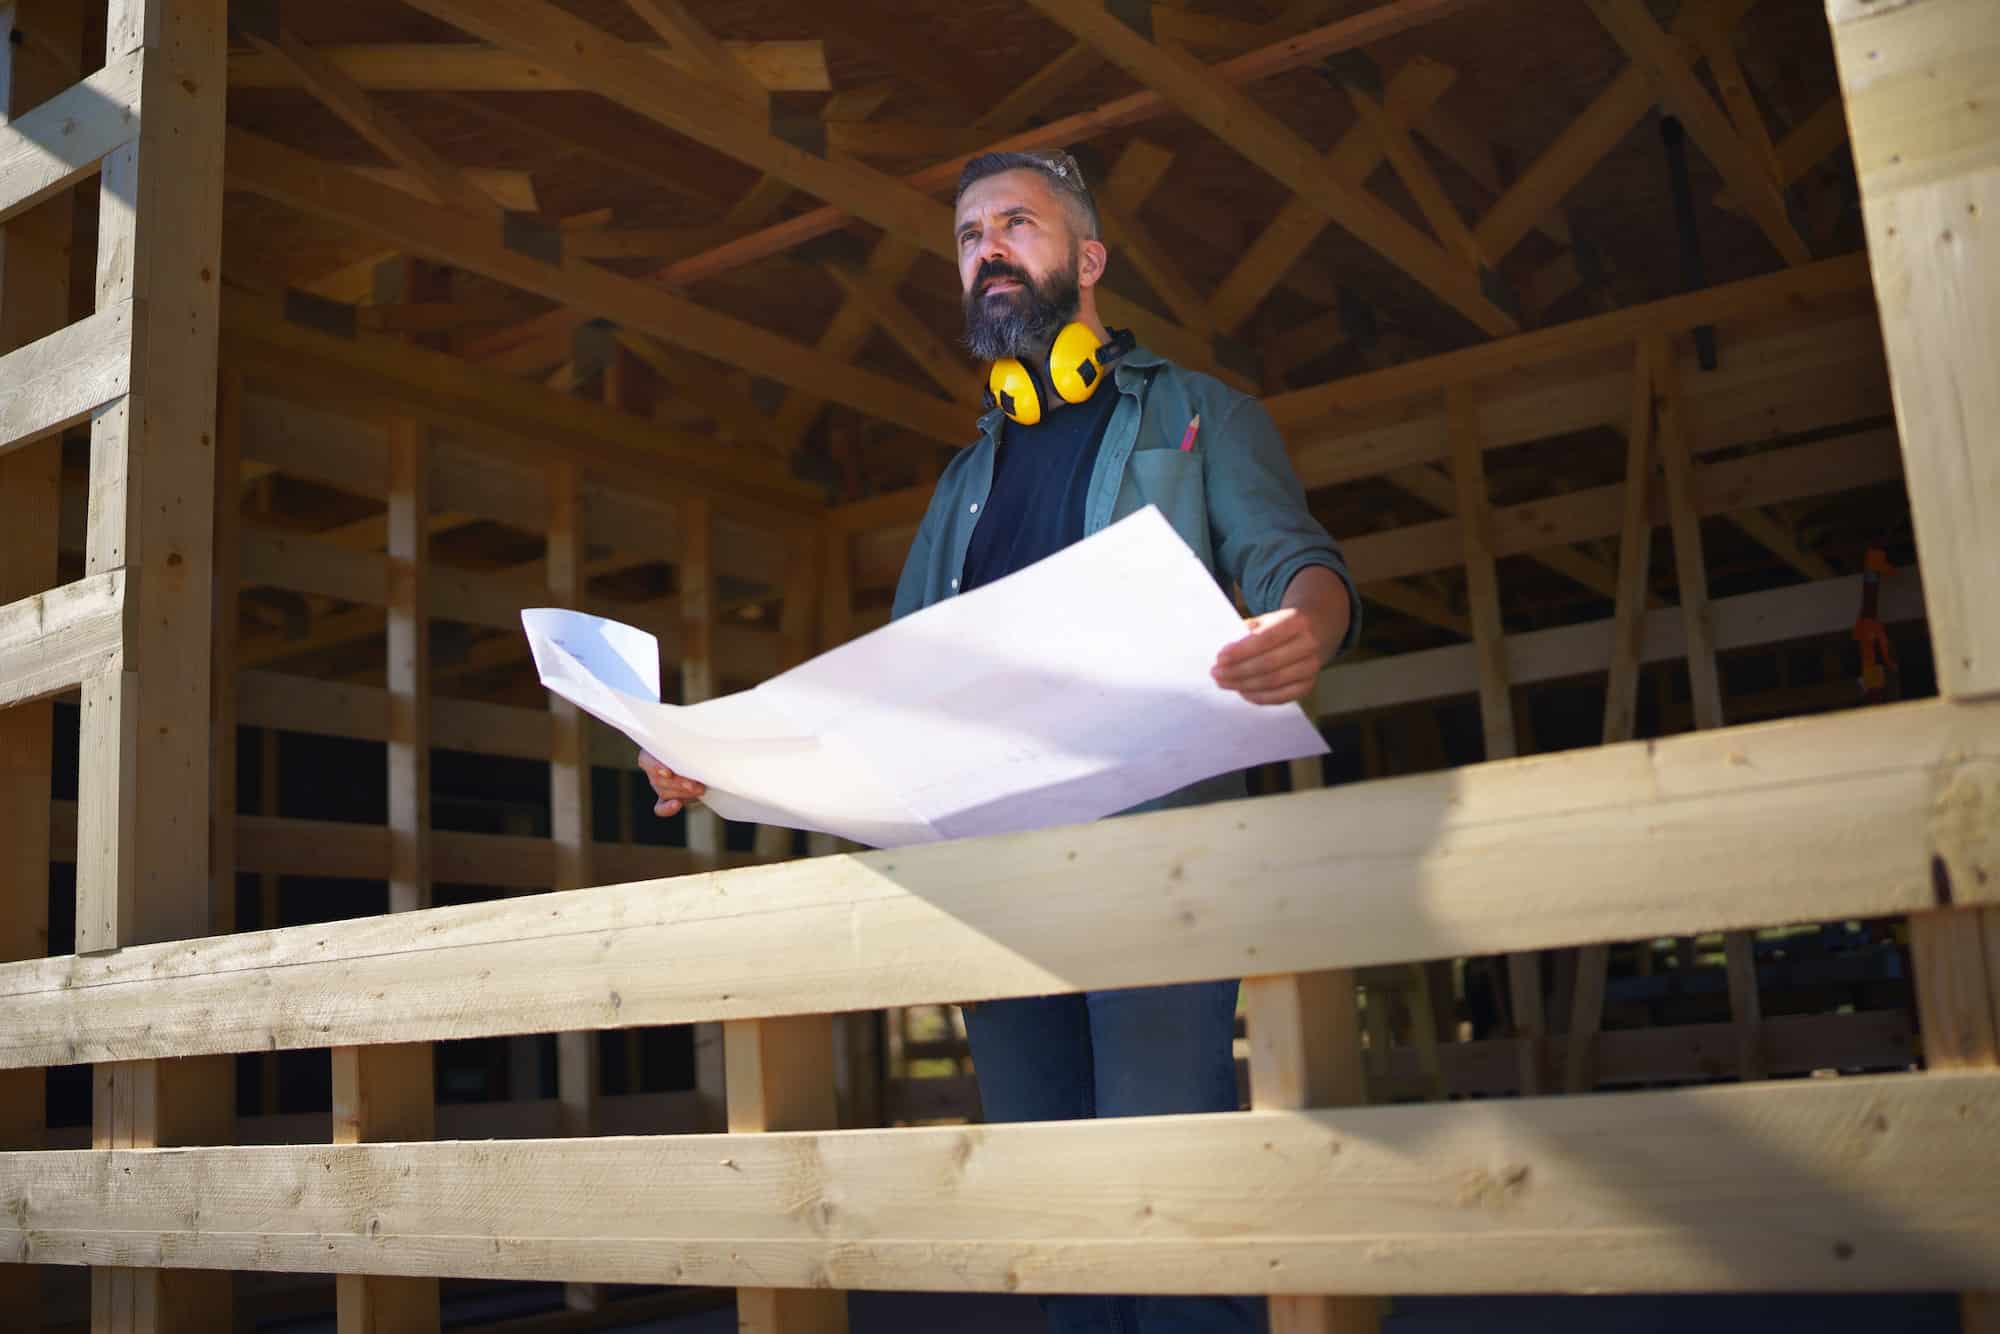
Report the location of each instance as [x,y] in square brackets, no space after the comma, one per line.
[1019,323]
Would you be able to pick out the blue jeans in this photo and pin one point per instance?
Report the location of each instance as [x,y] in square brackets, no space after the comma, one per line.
[1148,1051]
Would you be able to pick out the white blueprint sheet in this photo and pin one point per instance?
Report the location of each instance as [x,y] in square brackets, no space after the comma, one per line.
[1070,690]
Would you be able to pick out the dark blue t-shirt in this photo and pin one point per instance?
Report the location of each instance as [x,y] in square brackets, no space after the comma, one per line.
[1041,474]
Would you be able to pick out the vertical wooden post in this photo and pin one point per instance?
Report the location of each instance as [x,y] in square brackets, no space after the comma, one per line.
[836,598]
[1621,690]
[381,1095]
[1305,1051]
[570,823]
[143,790]
[704,827]
[222,655]
[267,893]
[409,669]
[780,1077]
[1698,622]
[1930,201]
[1496,707]
[388,1093]
[798,635]
[34,301]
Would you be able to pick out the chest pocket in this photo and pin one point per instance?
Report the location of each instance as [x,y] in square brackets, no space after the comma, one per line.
[1172,481]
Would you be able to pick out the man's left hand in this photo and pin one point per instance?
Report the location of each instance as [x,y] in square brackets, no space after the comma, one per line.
[1276,663]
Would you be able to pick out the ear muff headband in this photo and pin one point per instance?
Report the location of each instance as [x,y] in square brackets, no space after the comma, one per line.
[1075,369]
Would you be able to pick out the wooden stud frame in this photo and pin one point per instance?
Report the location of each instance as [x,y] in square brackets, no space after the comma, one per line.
[1886,1182]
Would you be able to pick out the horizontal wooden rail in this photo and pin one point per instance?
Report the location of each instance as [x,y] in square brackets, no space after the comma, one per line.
[1774,477]
[350,453]
[671,1113]
[56,640]
[1754,297]
[1823,400]
[49,149]
[1747,620]
[274,845]
[1870,1184]
[1868,813]
[1793,1044]
[59,380]
[1817,370]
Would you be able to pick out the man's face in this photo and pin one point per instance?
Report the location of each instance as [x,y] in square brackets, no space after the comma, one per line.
[1018,264]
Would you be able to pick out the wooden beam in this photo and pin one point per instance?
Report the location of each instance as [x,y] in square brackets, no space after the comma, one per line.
[577,1076]
[1436,866]
[1591,136]
[1917,81]
[1621,695]
[694,46]
[1900,1168]
[1747,620]
[943,364]
[1716,305]
[1912,85]
[516,424]
[143,791]
[1813,140]
[35,253]
[60,379]
[385,1095]
[349,101]
[265,168]
[46,149]
[1659,56]
[780,1077]
[888,264]
[474,67]
[735,416]
[1305,1051]
[1447,224]
[54,641]
[1290,53]
[513,190]
[1243,125]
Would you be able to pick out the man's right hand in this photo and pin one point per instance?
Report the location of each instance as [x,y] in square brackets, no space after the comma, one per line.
[672,790]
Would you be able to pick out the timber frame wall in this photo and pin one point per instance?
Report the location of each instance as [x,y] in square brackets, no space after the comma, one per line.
[1875,1183]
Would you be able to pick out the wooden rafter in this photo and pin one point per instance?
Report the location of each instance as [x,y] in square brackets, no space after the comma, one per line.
[945,366]
[262,167]
[1592,135]
[347,100]
[1227,113]
[474,67]
[1294,52]
[1663,63]
[694,45]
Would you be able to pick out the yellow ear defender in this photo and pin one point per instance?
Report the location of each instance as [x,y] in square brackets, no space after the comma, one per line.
[1076,366]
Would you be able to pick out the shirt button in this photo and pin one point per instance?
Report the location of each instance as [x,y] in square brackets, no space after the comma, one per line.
[954,583]
[975,507]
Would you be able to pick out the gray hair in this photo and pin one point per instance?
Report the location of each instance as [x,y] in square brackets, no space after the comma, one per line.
[1059,169]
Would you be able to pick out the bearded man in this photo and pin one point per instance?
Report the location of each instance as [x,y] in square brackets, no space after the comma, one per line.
[1084,429]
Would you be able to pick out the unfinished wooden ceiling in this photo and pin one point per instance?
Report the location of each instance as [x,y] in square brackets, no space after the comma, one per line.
[1488,167]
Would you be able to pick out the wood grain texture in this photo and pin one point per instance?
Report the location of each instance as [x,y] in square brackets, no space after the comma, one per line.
[1919,81]
[1865,1184]
[1617,843]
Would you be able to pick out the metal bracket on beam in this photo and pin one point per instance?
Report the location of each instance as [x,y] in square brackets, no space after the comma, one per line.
[321,314]
[1134,14]
[525,234]
[802,130]
[1353,69]
[255,18]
